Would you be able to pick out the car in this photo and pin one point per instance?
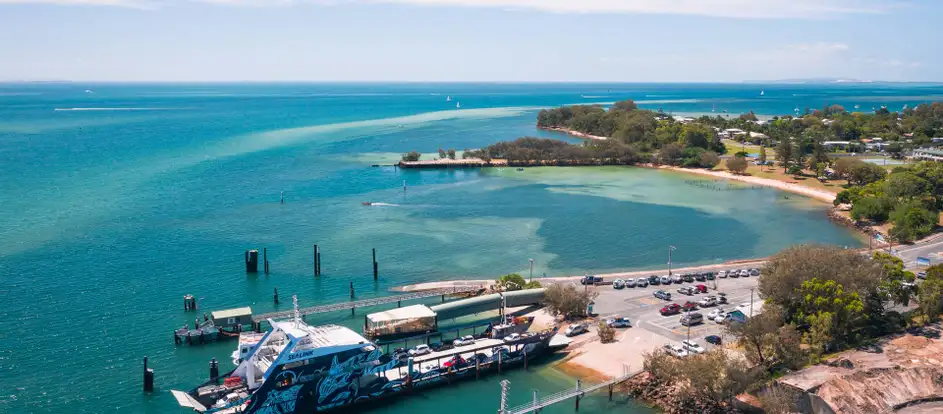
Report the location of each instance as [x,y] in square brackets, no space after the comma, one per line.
[455,361]
[420,350]
[576,329]
[721,318]
[721,297]
[708,301]
[716,312]
[754,272]
[734,273]
[672,309]
[464,341]
[922,275]
[710,275]
[692,318]
[700,288]
[618,284]
[617,322]
[689,306]
[744,273]
[686,290]
[512,337]
[641,282]
[665,280]
[654,280]
[590,280]
[676,350]
[687,277]
[700,277]
[630,283]
[909,285]
[713,339]
[692,347]
[722,274]
[661,294]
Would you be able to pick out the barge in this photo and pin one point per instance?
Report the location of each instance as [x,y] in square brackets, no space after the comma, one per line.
[298,368]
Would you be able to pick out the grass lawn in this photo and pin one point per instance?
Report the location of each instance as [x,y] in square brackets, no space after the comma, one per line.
[776,173]
[733,147]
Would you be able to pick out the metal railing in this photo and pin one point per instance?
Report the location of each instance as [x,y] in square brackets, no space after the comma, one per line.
[538,404]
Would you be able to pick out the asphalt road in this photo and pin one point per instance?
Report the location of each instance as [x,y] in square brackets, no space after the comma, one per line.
[932,250]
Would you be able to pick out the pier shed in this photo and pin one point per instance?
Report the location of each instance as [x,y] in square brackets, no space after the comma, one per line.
[401,321]
[232,317]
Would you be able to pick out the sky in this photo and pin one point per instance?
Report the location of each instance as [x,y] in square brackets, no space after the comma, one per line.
[470,40]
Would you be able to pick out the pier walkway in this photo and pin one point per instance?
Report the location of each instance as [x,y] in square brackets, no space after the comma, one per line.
[576,393]
[367,302]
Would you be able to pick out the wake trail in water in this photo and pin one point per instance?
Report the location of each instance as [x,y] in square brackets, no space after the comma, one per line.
[116,109]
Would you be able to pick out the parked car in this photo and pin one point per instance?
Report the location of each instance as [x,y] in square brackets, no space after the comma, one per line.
[722,274]
[709,275]
[618,284]
[641,282]
[654,280]
[455,361]
[716,312]
[708,301]
[744,273]
[687,277]
[576,329]
[692,318]
[692,347]
[665,280]
[721,298]
[590,280]
[617,322]
[700,277]
[754,272]
[689,306]
[734,273]
[672,309]
[922,275]
[630,283]
[661,294]
[420,350]
[686,290]
[512,337]
[676,350]
[700,288]
[713,339]
[677,278]
[464,341]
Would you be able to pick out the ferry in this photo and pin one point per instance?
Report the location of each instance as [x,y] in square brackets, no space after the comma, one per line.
[298,368]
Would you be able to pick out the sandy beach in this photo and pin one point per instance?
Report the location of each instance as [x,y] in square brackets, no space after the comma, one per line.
[784,186]
[575,133]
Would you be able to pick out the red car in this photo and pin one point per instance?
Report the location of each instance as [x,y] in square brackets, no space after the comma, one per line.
[689,306]
[701,288]
[454,362]
[671,309]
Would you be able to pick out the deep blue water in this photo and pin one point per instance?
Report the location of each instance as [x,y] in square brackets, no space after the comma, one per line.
[120,200]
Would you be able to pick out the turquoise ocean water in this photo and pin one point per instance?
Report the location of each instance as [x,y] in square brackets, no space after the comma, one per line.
[119,199]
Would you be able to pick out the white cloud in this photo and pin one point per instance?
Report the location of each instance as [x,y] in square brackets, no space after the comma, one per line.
[770,9]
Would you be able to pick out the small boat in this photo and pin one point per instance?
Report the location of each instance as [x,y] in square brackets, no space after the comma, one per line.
[520,169]
[448,98]
[762,93]
[367,203]
[458,105]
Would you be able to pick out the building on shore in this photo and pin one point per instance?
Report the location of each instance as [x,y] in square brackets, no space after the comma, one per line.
[928,154]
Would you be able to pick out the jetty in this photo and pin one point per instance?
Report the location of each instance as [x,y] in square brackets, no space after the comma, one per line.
[575,394]
[444,291]
[450,163]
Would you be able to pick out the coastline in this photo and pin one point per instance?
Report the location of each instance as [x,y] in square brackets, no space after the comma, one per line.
[573,133]
[823,196]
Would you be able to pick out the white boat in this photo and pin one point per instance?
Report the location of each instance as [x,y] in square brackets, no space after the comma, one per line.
[247,341]
[448,98]
[762,93]
[458,105]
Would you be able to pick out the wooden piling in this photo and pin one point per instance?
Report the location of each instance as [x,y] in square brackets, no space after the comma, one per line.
[148,377]
[477,368]
[276,295]
[374,264]
[252,261]
[265,259]
[499,361]
[317,260]
[351,290]
[214,370]
[525,359]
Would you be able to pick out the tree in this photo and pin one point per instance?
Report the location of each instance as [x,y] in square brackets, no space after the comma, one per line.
[627,105]
[912,221]
[510,282]
[931,292]
[442,154]
[709,159]
[670,154]
[784,273]
[795,170]
[606,333]
[451,153]
[567,301]
[784,152]
[819,334]
[411,156]
[467,154]
[864,173]
[876,209]
[704,383]
[905,185]
[762,155]
[696,135]
[737,165]
[892,281]
[828,297]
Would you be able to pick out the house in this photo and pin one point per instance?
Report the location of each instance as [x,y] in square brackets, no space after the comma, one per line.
[836,144]
[928,154]
[936,140]
[758,135]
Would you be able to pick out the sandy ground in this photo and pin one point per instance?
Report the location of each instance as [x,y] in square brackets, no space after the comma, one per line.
[577,134]
[793,188]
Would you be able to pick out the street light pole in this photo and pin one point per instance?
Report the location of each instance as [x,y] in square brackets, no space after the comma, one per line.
[531,270]
[670,248]
[751,302]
